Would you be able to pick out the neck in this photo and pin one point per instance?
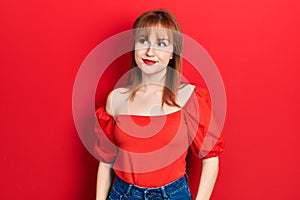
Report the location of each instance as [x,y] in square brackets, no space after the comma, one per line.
[157,79]
[152,83]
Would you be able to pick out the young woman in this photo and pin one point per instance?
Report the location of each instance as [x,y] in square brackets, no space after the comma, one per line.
[147,128]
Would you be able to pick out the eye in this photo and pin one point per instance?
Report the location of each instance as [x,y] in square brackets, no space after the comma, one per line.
[162,44]
[143,41]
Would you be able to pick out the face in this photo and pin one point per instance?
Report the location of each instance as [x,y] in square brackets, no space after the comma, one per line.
[153,50]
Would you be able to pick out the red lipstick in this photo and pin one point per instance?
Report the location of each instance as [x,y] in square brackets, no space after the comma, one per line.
[149,62]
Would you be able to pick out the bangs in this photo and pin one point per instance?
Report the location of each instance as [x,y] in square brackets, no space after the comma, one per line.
[161,23]
[153,21]
[158,30]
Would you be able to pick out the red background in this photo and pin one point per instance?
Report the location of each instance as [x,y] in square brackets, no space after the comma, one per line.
[43,43]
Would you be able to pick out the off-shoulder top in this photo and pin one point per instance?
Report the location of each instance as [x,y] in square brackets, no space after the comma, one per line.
[150,151]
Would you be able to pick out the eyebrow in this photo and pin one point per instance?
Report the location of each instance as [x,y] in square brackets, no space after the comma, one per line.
[161,39]
[142,35]
[146,35]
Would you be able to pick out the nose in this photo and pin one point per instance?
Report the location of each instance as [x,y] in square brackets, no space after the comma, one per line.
[150,51]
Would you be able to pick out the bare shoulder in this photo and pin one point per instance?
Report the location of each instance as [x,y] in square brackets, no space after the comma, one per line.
[116,99]
[186,87]
[184,93]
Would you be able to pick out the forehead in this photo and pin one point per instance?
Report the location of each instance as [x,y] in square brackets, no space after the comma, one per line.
[157,31]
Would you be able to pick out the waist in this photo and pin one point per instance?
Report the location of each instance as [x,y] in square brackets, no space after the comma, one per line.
[163,191]
[161,176]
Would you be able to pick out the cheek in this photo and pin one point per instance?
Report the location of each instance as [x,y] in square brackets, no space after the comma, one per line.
[165,56]
[137,57]
[136,54]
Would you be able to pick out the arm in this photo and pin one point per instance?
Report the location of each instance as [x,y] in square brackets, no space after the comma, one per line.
[104,179]
[209,173]
[105,172]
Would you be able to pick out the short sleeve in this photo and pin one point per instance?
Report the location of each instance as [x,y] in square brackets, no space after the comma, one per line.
[205,139]
[105,147]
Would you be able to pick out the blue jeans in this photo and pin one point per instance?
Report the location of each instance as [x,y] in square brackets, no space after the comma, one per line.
[177,190]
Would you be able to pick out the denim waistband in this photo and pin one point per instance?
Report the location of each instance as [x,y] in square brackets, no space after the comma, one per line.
[131,189]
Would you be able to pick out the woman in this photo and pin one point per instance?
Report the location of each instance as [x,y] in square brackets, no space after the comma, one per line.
[147,128]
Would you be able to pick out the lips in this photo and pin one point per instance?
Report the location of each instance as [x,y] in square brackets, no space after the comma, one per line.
[149,62]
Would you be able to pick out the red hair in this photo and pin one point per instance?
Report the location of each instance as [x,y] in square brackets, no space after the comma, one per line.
[160,19]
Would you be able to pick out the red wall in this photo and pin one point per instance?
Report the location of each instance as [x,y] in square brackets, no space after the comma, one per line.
[43,43]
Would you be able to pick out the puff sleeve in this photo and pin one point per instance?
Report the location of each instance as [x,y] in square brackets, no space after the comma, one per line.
[105,146]
[205,141]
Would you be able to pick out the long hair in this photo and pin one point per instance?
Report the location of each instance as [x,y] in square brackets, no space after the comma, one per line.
[162,19]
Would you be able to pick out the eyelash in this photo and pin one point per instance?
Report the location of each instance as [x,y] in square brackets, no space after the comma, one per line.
[160,44]
[142,41]
[163,44]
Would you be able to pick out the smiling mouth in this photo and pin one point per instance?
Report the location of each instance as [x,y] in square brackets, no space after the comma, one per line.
[149,62]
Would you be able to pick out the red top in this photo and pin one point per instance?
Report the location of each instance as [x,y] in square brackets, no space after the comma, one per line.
[150,151]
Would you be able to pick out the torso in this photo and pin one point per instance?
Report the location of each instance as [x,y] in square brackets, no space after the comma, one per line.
[146,104]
